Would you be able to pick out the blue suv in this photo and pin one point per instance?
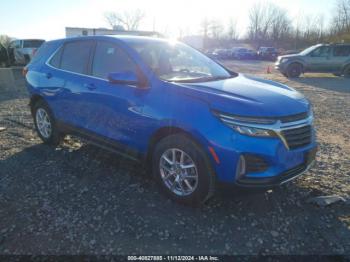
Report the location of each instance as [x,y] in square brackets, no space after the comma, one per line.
[191,120]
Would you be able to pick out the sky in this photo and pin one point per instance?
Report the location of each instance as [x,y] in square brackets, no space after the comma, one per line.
[47,19]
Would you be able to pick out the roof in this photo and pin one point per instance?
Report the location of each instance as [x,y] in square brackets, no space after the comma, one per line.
[122,38]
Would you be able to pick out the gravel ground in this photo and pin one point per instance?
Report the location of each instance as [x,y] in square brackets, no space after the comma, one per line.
[78,199]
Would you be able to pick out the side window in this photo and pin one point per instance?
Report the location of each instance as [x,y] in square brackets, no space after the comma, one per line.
[322,51]
[109,58]
[341,51]
[56,59]
[75,56]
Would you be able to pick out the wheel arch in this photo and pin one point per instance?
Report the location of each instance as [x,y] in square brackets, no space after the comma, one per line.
[172,130]
[344,67]
[297,62]
[34,99]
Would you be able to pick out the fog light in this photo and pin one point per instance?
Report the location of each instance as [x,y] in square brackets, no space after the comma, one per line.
[241,167]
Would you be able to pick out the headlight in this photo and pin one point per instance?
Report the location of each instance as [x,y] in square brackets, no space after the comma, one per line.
[252,131]
[284,60]
[243,125]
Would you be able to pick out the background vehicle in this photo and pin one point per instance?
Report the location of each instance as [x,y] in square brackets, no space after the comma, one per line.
[4,60]
[221,54]
[191,120]
[243,53]
[21,51]
[267,53]
[322,58]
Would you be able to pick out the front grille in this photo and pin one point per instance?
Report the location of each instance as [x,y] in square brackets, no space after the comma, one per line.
[298,137]
[293,118]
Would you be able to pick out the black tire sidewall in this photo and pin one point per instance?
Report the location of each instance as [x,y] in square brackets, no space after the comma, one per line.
[205,175]
[290,69]
[55,136]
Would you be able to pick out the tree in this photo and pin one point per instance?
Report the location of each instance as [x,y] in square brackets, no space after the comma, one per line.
[129,20]
[341,17]
[268,23]
[5,40]
[232,33]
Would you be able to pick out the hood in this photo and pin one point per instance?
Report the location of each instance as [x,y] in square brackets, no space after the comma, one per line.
[249,96]
[290,56]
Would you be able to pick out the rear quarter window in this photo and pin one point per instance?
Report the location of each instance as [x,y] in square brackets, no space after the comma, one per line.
[75,56]
[341,51]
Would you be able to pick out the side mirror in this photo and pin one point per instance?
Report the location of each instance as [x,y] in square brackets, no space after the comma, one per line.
[126,78]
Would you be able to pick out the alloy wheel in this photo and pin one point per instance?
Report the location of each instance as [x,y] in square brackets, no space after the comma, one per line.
[43,122]
[178,171]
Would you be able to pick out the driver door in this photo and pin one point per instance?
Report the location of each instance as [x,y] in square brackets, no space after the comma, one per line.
[320,60]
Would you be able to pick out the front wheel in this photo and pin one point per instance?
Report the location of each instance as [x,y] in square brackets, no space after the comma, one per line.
[294,70]
[45,124]
[182,170]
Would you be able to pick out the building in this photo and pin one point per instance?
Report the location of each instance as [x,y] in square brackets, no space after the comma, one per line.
[79,31]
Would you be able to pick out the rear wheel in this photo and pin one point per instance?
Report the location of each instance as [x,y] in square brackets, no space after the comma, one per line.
[45,124]
[294,70]
[182,170]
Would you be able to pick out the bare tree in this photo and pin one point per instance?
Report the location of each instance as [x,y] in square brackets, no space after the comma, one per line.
[232,30]
[215,29]
[129,20]
[5,40]
[268,23]
[341,18]
[205,27]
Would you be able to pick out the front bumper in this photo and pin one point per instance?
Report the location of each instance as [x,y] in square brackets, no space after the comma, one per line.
[282,67]
[280,163]
[283,177]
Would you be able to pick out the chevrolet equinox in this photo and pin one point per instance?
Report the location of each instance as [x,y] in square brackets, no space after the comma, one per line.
[194,122]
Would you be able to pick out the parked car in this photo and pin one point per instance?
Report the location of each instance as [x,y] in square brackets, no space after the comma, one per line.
[191,120]
[268,53]
[222,54]
[243,53]
[327,58]
[3,56]
[22,51]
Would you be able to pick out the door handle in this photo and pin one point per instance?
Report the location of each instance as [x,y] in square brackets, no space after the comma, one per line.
[90,86]
[48,75]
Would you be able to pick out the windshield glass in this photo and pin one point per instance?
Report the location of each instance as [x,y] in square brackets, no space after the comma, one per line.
[177,62]
[308,50]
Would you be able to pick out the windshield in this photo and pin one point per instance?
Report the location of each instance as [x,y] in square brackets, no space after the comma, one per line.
[32,43]
[179,63]
[308,50]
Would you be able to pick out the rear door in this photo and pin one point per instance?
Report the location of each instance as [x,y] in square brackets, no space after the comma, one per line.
[341,56]
[65,78]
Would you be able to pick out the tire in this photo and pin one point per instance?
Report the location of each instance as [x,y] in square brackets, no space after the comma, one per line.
[346,71]
[3,64]
[336,74]
[194,191]
[41,110]
[294,70]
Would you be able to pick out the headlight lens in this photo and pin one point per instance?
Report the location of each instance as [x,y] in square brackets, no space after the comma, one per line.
[252,131]
[243,125]
[284,60]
